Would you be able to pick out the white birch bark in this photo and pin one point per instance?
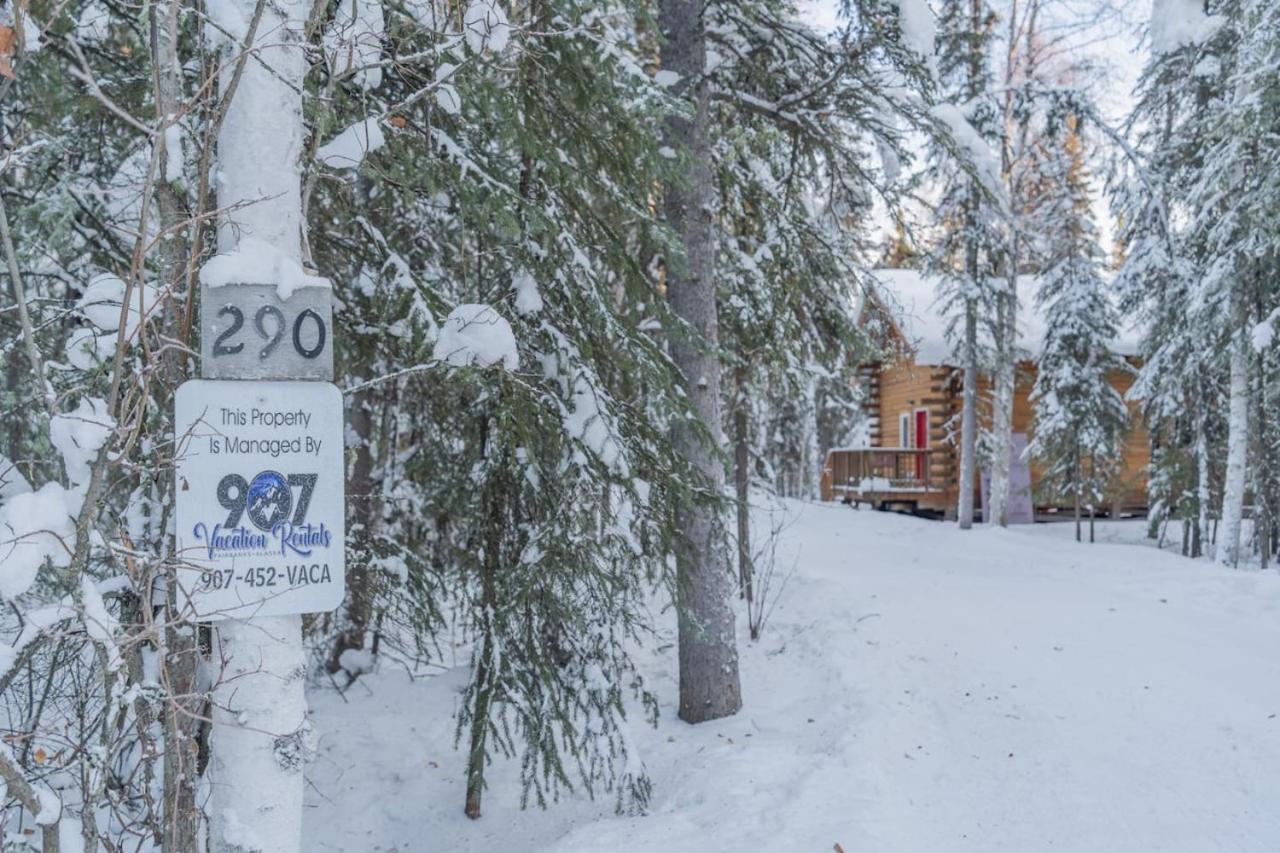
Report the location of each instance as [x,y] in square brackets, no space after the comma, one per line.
[969,417]
[708,651]
[969,412]
[1202,489]
[1002,409]
[1228,549]
[1023,32]
[259,721]
[996,511]
[259,173]
[813,458]
[260,737]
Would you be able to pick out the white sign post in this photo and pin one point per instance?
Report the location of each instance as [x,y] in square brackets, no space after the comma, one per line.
[258,324]
[260,497]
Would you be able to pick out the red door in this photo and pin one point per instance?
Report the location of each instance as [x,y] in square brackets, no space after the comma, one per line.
[922,440]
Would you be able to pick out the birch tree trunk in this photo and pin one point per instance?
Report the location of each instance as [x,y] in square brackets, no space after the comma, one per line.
[259,736]
[709,685]
[742,489]
[969,416]
[1262,511]
[259,741]
[813,457]
[1002,410]
[1228,547]
[997,509]
[969,412]
[1260,475]
[1202,489]
[1076,464]
[1007,349]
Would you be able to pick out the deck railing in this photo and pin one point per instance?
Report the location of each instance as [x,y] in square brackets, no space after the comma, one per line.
[855,471]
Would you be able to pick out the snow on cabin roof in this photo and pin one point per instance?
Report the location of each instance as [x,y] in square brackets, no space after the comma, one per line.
[911,299]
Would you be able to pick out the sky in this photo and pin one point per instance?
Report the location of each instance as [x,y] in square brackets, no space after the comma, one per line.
[820,14]
[1118,48]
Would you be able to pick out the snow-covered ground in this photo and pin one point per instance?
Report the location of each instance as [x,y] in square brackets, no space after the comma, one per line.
[918,689]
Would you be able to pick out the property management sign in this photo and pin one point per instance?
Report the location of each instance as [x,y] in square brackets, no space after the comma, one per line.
[259,497]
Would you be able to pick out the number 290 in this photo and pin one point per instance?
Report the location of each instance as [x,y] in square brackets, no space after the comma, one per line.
[272,336]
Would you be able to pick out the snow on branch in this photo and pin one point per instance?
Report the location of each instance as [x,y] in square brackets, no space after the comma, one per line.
[476,334]
[1180,23]
[977,153]
[919,29]
[35,527]
[349,148]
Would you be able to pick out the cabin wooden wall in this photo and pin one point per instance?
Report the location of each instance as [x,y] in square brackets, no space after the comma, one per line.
[1131,484]
[1129,488]
[904,386]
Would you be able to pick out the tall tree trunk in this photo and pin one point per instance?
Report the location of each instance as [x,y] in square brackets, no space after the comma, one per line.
[812,452]
[1202,489]
[259,718]
[486,672]
[709,685]
[969,411]
[1261,472]
[1075,462]
[181,648]
[479,731]
[357,609]
[1093,514]
[969,417]
[1002,411]
[1007,318]
[1228,547]
[997,509]
[742,484]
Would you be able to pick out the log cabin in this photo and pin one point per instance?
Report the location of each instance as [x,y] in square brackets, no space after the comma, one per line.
[907,457]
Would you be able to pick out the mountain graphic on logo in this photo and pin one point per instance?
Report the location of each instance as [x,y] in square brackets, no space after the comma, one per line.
[269,500]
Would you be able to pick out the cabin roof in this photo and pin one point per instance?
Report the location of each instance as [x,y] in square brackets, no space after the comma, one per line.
[911,299]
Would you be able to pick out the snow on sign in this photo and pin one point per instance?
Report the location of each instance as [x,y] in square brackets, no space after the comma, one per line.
[260,497]
[262,316]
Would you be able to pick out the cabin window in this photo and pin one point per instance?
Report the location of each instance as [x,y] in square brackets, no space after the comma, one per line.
[904,429]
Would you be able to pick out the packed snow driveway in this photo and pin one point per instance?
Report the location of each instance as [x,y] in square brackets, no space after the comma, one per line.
[917,689]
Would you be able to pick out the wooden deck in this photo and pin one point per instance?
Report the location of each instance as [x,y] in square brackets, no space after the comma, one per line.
[884,477]
[903,478]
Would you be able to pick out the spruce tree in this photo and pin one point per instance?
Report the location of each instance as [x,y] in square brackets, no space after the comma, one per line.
[1195,206]
[523,498]
[1080,418]
[709,682]
[1234,199]
[809,132]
